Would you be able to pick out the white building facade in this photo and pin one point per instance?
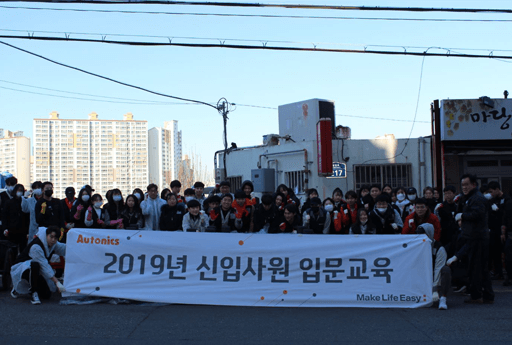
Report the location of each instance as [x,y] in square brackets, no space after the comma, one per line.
[105,154]
[15,156]
[165,152]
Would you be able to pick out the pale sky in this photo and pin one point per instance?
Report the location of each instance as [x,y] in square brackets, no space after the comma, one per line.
[362,85]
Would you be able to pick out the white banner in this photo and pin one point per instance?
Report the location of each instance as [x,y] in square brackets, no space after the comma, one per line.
[283,270]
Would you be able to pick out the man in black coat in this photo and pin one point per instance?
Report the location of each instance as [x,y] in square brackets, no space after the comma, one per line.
[473,212]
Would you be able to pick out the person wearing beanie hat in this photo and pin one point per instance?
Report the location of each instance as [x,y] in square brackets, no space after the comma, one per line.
[195,219]
[316,217]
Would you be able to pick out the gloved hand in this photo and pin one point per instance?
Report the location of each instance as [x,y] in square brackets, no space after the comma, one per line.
[458,217]
[213,215]
[27,194]
[89,216]
[43,207]
[79,208]
[438,206]
[345,211]
[456,200]
[394,226]
[451,260]
[120,225]
[60,287]
[100,222]
[435,296]
[282,226]
[238,215]
[411,222]
[6,233]
[494,207]
[69,225]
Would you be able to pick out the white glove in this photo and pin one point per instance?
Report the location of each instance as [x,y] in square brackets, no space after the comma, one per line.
[60,287]
[458,217]
[27,194]
[494,207]
[345,211]
[451,260]
[69,225]
[437,207]
[394,226]
[6,233]
[435,296]
[411,221]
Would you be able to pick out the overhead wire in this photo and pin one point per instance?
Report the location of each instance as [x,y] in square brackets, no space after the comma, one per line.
[107,78]
[249,47]
[258,15]
[287,6]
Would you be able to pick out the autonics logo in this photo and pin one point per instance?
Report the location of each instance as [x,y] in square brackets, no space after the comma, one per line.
[95,240]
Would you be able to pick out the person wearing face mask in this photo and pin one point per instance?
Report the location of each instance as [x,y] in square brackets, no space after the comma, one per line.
[28,205]
[139,194]
[152,208]
[338,219]
[189,194]
[113,219]
[95,218]
[387,221]
[363,224]
[15,222]
[310,193]
[48,210]
[8,193]
[412,195]
[420,216]
[82,204]
[401,200]
[66,205]
[316,218]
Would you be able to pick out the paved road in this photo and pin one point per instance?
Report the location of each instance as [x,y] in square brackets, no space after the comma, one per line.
[51,322]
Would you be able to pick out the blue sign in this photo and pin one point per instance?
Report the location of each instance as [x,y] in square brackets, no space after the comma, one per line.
[339,170]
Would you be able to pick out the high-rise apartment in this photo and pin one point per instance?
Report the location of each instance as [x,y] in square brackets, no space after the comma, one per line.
[164,154]
[105,154]
[15,155]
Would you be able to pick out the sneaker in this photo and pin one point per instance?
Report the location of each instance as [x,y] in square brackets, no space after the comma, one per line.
[35,298]
[14,293]
[460,290]
[442,303]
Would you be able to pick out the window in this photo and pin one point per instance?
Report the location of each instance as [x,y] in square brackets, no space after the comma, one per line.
[394,174]
[236,182]
[295,180]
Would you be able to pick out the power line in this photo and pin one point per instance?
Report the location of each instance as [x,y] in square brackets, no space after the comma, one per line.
[259,15]
[107,78]
[287,6]
[235,46]
[380,118]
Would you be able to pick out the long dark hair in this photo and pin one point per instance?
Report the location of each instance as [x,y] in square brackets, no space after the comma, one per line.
[79,200]
[136,205]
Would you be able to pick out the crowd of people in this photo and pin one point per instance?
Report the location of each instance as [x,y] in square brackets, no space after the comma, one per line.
[469,232]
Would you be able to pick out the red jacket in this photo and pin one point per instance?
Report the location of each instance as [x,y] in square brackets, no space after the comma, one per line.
[412,222]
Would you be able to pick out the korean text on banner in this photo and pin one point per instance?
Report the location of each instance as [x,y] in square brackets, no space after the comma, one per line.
[282,270]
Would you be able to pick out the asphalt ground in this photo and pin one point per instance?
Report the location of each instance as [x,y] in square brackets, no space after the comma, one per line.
[135,323]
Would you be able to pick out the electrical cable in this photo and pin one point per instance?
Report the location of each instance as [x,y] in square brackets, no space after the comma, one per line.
[287,6]
[259,15]
[235,46]
[107,78]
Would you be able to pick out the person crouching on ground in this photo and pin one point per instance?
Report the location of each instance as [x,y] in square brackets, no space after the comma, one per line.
[32,273]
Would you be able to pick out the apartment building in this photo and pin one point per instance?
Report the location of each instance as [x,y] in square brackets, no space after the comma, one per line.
[165,151]
[15,155]
[105,154]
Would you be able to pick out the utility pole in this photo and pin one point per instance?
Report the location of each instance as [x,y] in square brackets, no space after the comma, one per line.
[224,108]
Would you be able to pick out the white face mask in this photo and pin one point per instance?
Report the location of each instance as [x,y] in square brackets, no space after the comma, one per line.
[38,191]
[85,197]
[488,196]
[10,188]
[188,198]
[117,197]
[138,195]
[329,208]
[19,194]
[411,196]
[382,210]
[98,204]
[400,197]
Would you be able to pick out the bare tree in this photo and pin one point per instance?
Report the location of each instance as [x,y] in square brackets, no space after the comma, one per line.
[191,170]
